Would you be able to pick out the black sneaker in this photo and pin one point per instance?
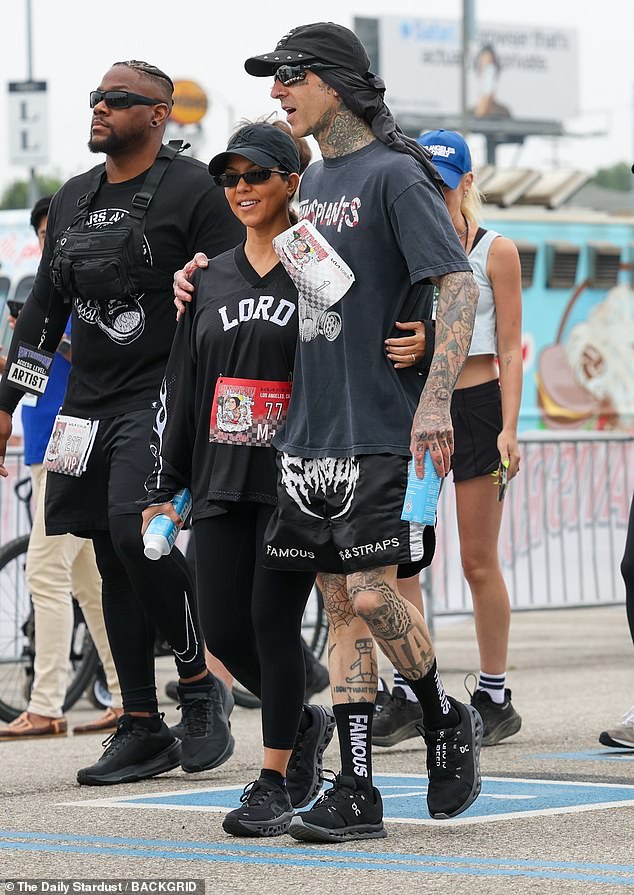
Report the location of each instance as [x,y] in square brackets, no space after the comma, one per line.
[207,741]
[396,720]
[266,811]
[341,814]
[179,729]
[305,767]
[133,752]
[383,698]
[500,721]
[453,763]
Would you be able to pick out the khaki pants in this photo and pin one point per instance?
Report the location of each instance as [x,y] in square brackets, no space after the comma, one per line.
[57,566]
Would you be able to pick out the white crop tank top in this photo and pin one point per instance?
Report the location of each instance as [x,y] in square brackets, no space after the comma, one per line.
[484,339]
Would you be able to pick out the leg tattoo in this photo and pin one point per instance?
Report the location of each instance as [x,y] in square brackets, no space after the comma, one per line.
[398,629]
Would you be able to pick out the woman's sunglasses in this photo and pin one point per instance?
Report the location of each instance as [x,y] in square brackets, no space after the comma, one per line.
[121,99]
[256,175]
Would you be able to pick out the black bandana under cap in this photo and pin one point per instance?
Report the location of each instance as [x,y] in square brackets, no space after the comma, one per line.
[363,95]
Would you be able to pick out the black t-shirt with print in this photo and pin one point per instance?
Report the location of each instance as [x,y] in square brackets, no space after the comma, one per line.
[238,325]
[120,347]
[378,209]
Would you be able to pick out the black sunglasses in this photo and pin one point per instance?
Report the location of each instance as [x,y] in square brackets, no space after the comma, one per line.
[290,74]
[121,99]
[255,175]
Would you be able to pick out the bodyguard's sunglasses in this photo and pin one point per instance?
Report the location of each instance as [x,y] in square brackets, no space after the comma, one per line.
[121,99]
[290,74]
[255,175]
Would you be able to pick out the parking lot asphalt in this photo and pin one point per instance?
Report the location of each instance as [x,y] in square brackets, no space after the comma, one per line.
[556,813]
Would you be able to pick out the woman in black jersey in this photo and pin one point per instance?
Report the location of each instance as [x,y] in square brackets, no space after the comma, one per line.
[225,394]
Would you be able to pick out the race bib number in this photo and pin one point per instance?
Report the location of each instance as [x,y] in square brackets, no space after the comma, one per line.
[70,445]
[30,368]
[248,411]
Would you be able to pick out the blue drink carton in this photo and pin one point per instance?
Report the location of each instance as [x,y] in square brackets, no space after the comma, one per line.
[421,497]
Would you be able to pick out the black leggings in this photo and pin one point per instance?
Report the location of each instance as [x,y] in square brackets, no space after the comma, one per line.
[251,616]
[627,570]
[141,596]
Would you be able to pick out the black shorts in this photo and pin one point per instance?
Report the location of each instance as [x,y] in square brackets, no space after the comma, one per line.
[476,414]
[343,515]
[113,482]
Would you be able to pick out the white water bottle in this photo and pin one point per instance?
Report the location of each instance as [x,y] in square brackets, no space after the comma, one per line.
[162,532]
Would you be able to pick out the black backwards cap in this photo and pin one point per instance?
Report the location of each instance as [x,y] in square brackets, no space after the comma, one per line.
[264,145]
[324,43]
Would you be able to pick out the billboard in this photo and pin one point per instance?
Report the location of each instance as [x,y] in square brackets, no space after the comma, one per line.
[523,72]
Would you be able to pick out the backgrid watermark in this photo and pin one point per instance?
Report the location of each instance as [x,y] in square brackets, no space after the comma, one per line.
[103,886]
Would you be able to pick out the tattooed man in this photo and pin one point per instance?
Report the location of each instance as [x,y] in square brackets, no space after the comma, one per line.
[375,201]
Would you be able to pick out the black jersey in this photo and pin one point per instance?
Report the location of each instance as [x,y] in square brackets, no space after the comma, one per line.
[238,325]
[120,348]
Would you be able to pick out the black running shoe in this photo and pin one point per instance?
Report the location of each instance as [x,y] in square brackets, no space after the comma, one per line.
[207,740]
[133,752]
[341,814]
[499,720]
[266,811]
[396,720]
[383,698]
[453,763]
[305,767]
[179,729]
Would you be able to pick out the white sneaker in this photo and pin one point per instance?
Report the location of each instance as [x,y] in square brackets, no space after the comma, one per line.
[622,736]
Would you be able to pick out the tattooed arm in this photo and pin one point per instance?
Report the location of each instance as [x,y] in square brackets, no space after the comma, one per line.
[432,429]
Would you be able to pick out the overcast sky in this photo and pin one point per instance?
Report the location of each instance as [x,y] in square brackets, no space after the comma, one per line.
[75,42]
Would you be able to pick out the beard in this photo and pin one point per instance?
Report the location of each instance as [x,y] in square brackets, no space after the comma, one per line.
[116,143]
[113,144]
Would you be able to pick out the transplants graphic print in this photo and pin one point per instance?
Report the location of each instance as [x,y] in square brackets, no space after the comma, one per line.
[322,278]
[122,320]
[309,481]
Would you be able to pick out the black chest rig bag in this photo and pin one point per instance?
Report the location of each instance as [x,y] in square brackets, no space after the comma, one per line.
[109,263]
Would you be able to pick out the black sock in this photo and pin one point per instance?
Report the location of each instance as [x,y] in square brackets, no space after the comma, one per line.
[437,710]
[354,728]
[153,723]
[272,777]
[203,684]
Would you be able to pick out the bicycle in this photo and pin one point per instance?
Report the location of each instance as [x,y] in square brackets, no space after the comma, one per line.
[17,636]
[17,630]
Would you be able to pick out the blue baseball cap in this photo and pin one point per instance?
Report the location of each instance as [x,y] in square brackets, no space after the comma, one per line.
[450,154]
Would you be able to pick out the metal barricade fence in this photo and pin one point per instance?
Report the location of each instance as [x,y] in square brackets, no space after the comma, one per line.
[563,527]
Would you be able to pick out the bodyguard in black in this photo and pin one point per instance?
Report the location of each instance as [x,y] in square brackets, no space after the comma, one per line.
[123,324]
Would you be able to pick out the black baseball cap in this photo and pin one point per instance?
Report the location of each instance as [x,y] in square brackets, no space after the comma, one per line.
[264,145]
[324,43]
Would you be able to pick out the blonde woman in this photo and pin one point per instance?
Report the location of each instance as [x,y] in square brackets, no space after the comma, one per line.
[484,410]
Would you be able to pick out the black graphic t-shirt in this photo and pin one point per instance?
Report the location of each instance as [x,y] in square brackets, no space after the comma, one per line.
[238,327]
[379,211]
[120,347]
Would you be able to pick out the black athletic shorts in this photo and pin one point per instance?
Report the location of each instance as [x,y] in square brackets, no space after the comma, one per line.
[113,482]
[476,414]
[342,515]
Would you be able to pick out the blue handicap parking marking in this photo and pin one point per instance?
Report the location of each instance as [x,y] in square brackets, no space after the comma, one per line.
[404,799]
